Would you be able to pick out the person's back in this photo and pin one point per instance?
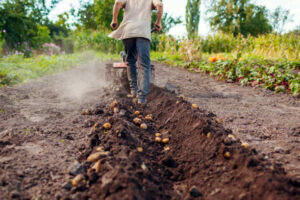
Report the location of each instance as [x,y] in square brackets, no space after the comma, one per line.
[135,31]
[136,21]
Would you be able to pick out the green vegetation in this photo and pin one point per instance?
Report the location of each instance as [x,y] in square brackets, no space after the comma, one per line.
[271,61]
[243,17]
[192,17]
[17,69]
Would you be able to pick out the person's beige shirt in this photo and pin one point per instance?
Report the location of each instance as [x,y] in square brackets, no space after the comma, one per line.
[136,21]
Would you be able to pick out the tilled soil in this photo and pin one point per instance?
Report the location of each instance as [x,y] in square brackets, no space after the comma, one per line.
[46,140]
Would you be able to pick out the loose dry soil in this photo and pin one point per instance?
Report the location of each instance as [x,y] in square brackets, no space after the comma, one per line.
[45,139]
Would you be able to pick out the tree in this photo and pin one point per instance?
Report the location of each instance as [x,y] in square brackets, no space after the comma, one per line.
[239,16]
[167,21]
[97,14]
[22,22]
[279,18]
[192,15]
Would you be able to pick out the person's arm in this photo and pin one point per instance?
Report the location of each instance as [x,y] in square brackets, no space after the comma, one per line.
[158,5]
[119,4]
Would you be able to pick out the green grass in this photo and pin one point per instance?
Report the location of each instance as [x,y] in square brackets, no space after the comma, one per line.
[16,69]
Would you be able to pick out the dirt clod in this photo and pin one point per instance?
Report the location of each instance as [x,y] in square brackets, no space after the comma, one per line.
[195,192]
[75,168]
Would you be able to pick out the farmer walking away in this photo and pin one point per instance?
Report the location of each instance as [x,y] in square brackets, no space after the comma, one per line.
[135,32]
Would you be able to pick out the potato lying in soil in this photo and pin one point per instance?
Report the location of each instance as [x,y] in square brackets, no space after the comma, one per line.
[231,136]
[157,135]
[99,149]
[107,126]
[183,97]
[245,145]
[130,96]
[137,112]
[78,181]
[218,120]
[144,126]
[227,155]
[137,121]
[208,135]
[165,140]
[140,149]
[148,117]
[195,106]
[113,104]
[86,112]
[166,148]
[116,110]
[94,157]
[97,166]
[158,139]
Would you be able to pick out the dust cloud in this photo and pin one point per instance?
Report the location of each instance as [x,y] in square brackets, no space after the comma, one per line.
[81,82]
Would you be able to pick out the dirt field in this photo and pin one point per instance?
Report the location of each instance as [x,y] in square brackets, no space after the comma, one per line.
[45,140]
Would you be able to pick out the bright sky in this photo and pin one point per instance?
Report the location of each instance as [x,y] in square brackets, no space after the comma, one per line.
[177,8]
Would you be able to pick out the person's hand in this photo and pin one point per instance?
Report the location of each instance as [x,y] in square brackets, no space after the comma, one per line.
[157,26]
[114,25]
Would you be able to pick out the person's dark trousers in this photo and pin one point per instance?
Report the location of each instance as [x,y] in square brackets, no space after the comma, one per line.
[138,47]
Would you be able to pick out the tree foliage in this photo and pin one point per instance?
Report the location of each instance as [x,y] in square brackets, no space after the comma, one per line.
[278,19]
[239,16]
[167,21]
[192,17]
[98,15]
[22,23]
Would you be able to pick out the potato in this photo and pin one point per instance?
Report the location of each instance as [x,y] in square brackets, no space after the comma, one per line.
[130,96]
[165,140]
[148,117]
[208,135]
[97,166]
[140,116]
[218,120]
[144,126]
[144,167]
[94,157]
[137,120]
[140,149]
[116,110]
[166,148]
[78,181]
[177,102]
[157,139]
[182,96]
[137,112]
[245,145]
[99,149]
[195,106]
[232,137]
[107,126]
[86,112]
[227,155]
[113,104]
[157,135]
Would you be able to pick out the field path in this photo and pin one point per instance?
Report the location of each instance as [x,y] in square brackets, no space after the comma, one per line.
[42,132]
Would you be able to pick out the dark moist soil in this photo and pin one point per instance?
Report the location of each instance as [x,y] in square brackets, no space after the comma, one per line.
[45,141]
